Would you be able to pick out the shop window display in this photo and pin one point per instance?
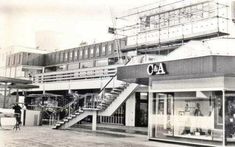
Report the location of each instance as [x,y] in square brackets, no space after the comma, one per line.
[230,116]
[187,115]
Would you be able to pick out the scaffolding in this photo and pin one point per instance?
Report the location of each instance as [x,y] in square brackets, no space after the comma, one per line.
[173,22]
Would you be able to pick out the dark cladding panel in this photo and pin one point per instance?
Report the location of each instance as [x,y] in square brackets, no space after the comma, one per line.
[189,66]
[225,64]
[179,69]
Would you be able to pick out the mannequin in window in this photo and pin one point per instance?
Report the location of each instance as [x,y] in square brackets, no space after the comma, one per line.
[197,111]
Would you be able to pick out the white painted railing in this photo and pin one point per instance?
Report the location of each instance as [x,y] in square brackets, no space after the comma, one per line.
[88,73]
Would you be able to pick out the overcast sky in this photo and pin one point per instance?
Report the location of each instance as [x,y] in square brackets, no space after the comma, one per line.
[75,20]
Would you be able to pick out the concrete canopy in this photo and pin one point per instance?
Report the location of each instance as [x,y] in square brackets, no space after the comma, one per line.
[14,80]
[22,86]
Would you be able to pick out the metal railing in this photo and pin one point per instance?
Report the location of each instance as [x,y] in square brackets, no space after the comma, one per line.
[79,74]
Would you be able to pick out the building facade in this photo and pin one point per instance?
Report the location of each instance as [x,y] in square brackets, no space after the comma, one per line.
[191,96]
[173,72]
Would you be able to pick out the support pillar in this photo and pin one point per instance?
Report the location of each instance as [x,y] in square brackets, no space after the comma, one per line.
[224,142]
[94,120]
[17,95]
[5,95]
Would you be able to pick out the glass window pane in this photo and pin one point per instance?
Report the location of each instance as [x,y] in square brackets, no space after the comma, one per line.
[91,52]
[103,50]
[181,116]
[97,51]
[80,54]
[85,53]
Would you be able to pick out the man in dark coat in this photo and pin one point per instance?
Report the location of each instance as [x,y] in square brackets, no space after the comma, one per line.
[17,110]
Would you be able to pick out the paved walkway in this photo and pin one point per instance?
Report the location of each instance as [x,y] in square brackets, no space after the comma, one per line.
[46,137]
[115,128]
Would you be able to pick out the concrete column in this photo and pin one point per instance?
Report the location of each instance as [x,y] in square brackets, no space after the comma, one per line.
[5,95]
[224,142]
[130,111]
[94,120]
[17,95]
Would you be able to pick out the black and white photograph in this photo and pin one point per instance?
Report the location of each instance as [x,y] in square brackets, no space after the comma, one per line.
[117,73]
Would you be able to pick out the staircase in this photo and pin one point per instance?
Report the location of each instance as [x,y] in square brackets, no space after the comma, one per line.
[72,119]
[105,103]
[114,99]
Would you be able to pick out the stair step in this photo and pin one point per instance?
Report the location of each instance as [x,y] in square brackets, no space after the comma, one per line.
[124,84]
[65,120]
[61,122]
[58,124]
[54,127]
[77,113]
[114,93]
[105,103]
[110,98]
[72,115]
[116,89]
[121,88]
[81,111]
[69,117]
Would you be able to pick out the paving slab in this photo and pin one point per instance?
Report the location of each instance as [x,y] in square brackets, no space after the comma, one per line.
[44,136]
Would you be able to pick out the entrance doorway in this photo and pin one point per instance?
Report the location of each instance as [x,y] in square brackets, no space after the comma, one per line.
[141,117]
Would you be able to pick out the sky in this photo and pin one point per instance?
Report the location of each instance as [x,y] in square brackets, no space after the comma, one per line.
[63,23]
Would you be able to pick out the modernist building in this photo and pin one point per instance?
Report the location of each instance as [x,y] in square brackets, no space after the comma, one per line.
[165,81]
[87,70]
[191,93]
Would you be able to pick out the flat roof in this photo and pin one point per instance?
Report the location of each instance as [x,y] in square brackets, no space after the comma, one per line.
[22,86]
[14,80]
[44,95]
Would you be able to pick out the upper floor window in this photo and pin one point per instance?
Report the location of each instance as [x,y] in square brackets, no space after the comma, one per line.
[71,55]
[97,51]
[85,53]
[9,61]
[103,50]
[57,57]
[80,54]
[110,46]
[13,59]
[52,58]
[61,56]
[91,52]
[65,56]
[75,54]
[19,58]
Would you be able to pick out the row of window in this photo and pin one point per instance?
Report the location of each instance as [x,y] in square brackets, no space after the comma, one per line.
[82,64]
[24,58]
[81,53]
[14,59]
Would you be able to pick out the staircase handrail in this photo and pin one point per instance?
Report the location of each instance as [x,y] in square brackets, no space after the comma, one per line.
[111,79]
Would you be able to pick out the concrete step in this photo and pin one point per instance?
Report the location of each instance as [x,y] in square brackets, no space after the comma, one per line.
[115,92]
[54,127]
[69,118]
[80,111]
[116,89]
[58,124]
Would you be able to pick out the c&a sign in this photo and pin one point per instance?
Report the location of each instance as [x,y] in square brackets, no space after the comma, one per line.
[156,69]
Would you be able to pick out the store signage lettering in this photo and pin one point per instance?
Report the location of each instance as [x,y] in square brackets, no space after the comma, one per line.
[156,69]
